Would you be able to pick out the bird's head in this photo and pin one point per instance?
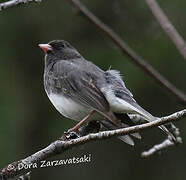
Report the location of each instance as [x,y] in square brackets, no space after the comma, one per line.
[59,50]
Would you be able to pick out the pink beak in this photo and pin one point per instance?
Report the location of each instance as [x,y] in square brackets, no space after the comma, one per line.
[45,47]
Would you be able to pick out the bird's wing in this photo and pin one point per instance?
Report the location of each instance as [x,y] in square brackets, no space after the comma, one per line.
[80,85]
[120,91]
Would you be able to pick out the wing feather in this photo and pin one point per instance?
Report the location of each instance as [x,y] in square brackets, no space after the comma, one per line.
[80,85]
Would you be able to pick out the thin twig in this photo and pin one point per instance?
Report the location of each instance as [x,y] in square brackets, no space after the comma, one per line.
[129,52]
[166,143]
[157,148]
[13,3]
[59,146]
[26,176]
[168,26]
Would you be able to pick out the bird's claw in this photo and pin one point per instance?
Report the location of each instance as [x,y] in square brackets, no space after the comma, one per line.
[71,135]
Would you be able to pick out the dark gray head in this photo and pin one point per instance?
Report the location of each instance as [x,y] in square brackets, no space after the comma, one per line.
[59,50]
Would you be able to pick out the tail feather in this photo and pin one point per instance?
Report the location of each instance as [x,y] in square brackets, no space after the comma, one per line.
[150,118]
[127,139]
[165,130]
[136,135]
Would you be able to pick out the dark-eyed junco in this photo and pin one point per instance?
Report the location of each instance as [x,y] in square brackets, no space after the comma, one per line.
[80,90]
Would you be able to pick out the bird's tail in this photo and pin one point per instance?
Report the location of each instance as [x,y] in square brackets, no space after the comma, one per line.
[125,138]
[148,117]
[165,130]
[125,122]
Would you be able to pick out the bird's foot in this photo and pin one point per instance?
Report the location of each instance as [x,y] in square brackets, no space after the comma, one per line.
[69,135]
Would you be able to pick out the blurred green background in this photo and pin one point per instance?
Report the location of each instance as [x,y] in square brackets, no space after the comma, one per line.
[29,122]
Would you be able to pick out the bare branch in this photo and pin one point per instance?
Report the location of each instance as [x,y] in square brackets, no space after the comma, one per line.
[157,148]
[166,143]
[13,3]
[60,146]
[129,52]
[168,26]
[26,176]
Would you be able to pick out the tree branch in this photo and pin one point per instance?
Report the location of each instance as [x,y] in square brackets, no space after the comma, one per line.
[157,148]
[13,3]
[129,52]
[166,143]
[168,27]
[26,176]
[60,146]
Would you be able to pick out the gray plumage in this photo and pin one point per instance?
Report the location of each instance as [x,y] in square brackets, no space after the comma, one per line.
[76,86]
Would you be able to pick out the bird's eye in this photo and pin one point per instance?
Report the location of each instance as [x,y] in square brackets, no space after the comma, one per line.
[63,46]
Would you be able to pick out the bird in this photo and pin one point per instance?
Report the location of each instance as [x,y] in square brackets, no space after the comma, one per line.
[82,91]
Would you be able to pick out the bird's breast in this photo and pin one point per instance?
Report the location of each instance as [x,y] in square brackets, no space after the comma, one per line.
[69,108]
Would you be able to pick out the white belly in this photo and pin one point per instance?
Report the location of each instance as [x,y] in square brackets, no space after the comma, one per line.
[69,108]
